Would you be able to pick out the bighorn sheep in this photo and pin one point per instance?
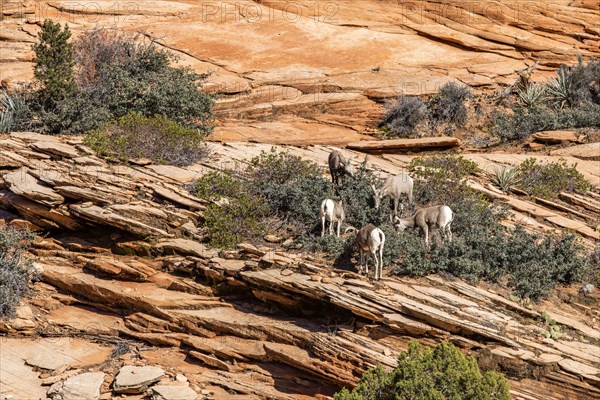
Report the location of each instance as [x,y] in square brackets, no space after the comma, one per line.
[332,211]
[440,217]
[394,186]
[339,166]
[370,240]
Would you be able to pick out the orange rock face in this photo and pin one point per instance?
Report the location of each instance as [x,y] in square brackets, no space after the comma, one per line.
[329,62]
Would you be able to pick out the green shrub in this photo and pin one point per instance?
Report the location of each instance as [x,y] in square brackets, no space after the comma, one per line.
[357,197]
[423,373]
[549,179]
[220,184]
[448,106]
[238,213]
[157,138]
[15,269]
[241,218]
[404,116]
[481,246]
[105,75]
[569,101]
[294,188]
[440,180]
[522,122]
[120,73]
[537,264]
[147,84]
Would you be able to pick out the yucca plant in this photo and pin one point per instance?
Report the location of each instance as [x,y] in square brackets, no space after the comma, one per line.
[505,178]
[8,111]
[562,89]
[532,95]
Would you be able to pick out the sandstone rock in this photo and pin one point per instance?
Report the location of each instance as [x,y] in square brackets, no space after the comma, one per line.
[56,148]
[35,137]
[109,265]
[80,387]
[21,183]
[141,161]
[23,224]
[553,137]
[211,361]
[84,194]
[400,145]
[178,197]
[589,151]
[185,247]
[105,216]
[58,377]
[131,379]
[7,162]
[177,174]
[24,318]
[173,393]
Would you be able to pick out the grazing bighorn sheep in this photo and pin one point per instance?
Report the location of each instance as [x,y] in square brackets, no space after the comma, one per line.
[394,186]
[440,217]
[370,240]
[332,211]
[339,166]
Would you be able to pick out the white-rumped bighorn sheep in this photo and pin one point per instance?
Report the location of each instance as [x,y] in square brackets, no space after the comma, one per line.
[369,241]
[332,211]
[394,186]
[339,166]
[439,217]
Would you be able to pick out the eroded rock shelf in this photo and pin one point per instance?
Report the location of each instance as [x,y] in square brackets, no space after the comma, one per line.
[258,321]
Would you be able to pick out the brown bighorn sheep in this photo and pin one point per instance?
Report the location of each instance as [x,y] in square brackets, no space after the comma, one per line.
[332,211]
[369,241]
[440,217]
[394,186]
[339,166]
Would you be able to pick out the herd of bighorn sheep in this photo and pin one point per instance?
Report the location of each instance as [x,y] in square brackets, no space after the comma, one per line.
[370,239]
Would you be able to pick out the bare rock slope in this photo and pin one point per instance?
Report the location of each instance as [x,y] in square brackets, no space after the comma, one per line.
[307,72]
[254,323]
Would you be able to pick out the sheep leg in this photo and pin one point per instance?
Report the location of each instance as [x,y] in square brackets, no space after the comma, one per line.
[426,231]
[449,232]
[322,226]
[376,262]
[396,205]
[360,264]
[339,224]
[380,261]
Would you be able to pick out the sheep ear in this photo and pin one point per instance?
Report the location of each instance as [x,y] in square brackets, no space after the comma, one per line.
[373,187]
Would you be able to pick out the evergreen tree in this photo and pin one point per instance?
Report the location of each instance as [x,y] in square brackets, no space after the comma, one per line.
[443,373]
[54,62]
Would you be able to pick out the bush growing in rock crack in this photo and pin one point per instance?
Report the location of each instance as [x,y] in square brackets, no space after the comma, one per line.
[448,106]
[157,138]
[404,116]
[547,180]
[16,270]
